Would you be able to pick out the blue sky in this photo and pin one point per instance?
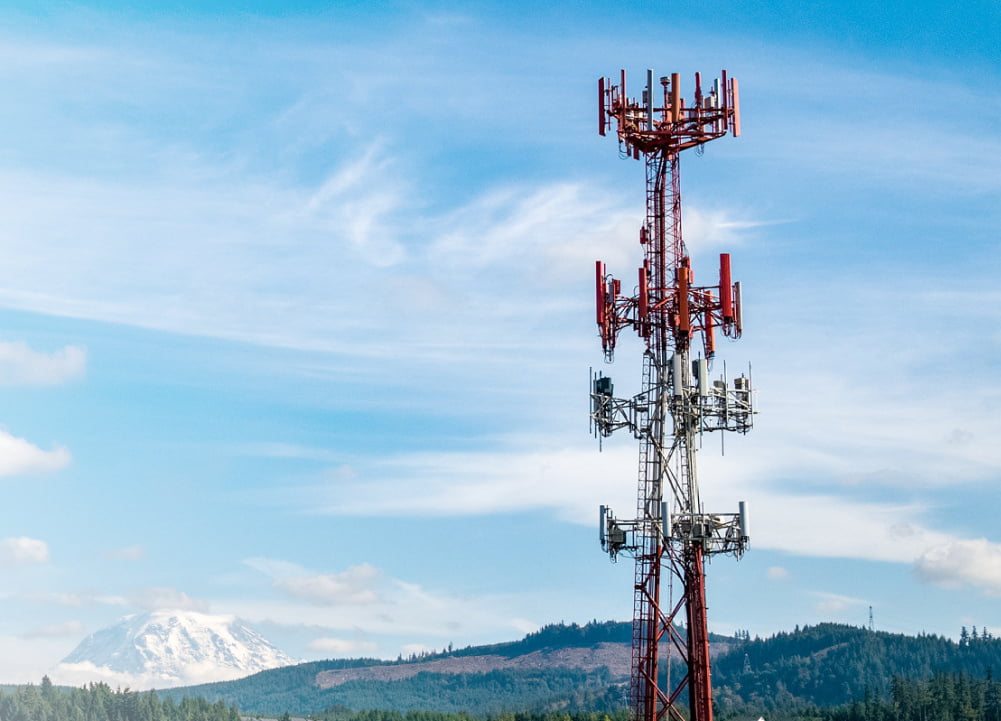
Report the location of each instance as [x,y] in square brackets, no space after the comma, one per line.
[297,315]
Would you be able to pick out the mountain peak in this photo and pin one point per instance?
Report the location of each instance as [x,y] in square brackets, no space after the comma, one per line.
[165,648]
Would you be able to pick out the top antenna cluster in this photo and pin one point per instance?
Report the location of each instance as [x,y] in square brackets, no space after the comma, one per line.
[661,120]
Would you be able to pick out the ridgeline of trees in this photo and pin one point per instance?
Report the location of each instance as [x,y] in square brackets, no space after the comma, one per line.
[954,697]
[97,702]
[554,635]
[831,665]
[295,684]
[480,694]
[343,714]
[557,635]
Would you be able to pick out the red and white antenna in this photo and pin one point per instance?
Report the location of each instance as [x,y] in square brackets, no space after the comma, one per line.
[670,311]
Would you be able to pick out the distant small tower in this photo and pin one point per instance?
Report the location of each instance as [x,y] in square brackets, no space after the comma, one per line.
[872,626]
[747,663]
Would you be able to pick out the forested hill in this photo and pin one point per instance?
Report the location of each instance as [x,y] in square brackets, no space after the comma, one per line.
[560,666]
[832,664]
[585,669]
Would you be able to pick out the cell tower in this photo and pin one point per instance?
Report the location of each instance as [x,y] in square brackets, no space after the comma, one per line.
[678,401]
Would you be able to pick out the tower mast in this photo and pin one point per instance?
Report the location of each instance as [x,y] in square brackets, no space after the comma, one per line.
[677,401]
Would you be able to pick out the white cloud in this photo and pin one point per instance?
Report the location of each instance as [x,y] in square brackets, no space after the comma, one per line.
[570,481]
[56,630]
[76,600]
[78,674]
[832,526]
[523,625]
[18,456]
[21,551]
[886,152]
[26,55]
[22,366]
[289,450]
[565,227]
[342,647]
[708,229]
[26,660]
[361,584]
[264,251]
[962,562]
[777,573]
[395,612]
[358,201]
[356,585]
[409,649]
[155,598]
[835,604]
[573,482]
[127,553]
[275,568]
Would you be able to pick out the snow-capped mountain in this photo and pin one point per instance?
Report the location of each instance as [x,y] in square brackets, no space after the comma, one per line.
[161,649]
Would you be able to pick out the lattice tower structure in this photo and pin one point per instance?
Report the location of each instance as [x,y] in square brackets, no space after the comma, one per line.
[677,402]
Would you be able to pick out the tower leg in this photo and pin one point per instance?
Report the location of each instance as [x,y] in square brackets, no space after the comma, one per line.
[647,630]
[699,684]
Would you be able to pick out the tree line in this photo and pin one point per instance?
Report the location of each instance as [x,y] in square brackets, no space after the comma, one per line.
[339,713]
[832,665]
[97,702]
[952,697]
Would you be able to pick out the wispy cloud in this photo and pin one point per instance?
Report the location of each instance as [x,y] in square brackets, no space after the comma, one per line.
[126,553]
[573,482]
[377,611]
[777,573]
[355,585]
[22,366]
[342,646]
[721,229]
[68,629]
[48,55]
[76,599]
[288,451]
[834,604]
[155,598]
[800,122]
[22,550]
[569,481]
